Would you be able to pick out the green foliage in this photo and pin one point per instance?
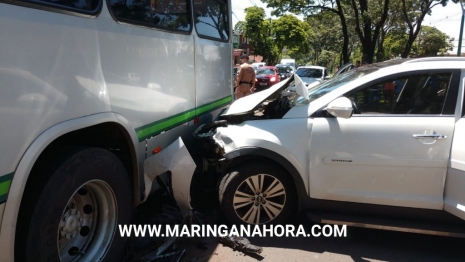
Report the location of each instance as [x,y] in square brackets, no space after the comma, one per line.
[336,29]
[240,27]
[385,27]
[292,33]
[270,38]
[432,42]
[394,45]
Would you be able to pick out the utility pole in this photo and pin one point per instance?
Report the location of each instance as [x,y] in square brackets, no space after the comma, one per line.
[459,51]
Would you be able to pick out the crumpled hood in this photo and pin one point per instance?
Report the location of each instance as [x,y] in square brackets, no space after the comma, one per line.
[251,102]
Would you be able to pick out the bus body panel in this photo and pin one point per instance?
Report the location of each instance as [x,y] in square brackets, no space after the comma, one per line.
[210,57]
[60,73]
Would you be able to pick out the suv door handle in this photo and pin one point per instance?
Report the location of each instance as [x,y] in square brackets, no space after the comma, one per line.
[434,136]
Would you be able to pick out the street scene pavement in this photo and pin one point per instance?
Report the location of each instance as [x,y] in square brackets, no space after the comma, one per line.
[359,245]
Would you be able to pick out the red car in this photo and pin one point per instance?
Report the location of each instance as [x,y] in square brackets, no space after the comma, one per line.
[266,77]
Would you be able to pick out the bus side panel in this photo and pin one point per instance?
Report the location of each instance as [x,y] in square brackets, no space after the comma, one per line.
[213,76]
[55,67]
[49,71]
[149,76]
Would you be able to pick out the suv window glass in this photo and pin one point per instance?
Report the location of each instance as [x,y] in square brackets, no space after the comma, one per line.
[419,94]
[211,18]
[165,14]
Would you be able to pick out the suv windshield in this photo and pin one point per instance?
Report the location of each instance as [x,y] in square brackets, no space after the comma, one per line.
[283,69]
[309,72]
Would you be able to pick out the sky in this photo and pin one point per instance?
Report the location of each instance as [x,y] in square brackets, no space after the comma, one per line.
[446,19]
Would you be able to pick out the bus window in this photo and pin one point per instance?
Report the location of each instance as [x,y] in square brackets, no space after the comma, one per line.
[80,6]
[211,18]
[166,14]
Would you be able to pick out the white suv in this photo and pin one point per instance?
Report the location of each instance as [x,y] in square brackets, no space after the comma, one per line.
[380,146]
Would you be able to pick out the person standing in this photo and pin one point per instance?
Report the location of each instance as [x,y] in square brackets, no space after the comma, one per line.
[245,81]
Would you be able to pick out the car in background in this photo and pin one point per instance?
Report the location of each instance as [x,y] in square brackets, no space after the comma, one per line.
[311,75]
[266,77]
[344,68]
[259,64]
[285,71]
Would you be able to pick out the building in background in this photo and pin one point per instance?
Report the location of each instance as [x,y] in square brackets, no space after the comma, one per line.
[241,46]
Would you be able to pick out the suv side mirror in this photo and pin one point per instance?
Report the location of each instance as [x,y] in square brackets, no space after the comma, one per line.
[327,77]
[341,107]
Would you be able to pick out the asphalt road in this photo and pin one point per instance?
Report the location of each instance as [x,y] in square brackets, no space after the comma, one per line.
[359,245]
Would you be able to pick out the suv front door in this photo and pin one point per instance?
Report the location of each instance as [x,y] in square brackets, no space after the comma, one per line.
[395,149]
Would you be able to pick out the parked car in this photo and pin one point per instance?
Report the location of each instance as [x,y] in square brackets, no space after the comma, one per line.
[285,71]
[266,77]
[347,154]
[312,74]
[344,68]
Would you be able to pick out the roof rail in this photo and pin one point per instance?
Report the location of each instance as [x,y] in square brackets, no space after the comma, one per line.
[438,59]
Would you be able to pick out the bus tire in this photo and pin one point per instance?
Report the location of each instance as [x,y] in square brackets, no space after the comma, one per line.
[75,217]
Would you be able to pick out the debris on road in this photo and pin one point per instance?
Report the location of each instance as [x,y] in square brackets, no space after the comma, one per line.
[169,257]
[240,244]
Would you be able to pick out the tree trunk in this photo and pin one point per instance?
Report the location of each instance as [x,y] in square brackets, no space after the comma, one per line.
[414,29]
[369,36]
[345,33]
[380,53]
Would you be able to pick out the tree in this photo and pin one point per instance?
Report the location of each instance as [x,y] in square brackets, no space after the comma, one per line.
[414,11]
[311,7]
[370,17]
[394,44]
[433,42]
[324,37]
[240,27]
[258,31]
[393,30]
[289,32]
[269,38]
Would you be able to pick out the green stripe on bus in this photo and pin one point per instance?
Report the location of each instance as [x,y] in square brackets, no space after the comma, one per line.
[157,127]
[5,182]
[212,106]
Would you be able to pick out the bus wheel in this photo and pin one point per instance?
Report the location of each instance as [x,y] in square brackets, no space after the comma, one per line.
[76,216]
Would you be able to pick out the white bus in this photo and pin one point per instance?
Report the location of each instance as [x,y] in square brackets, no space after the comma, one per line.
[89,90]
